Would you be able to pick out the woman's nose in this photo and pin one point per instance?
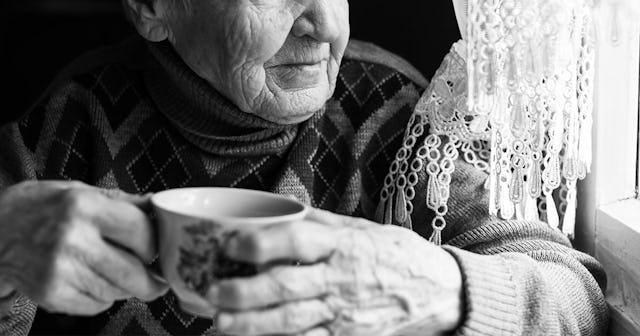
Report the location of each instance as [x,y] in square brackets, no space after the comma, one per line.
[321,20]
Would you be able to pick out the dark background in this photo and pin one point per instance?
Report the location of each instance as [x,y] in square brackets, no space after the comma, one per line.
[40,36]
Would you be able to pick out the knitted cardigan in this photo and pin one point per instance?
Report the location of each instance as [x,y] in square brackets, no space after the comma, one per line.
[134,117]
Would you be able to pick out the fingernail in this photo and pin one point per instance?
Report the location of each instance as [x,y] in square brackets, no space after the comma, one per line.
[231,245]
[224,321]
[158,278]
[213,295]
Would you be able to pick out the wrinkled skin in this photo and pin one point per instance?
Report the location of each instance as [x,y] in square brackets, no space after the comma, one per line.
[278,59]
[75,249]
[356,278]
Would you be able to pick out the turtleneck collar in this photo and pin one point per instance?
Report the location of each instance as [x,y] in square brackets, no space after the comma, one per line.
[204,116]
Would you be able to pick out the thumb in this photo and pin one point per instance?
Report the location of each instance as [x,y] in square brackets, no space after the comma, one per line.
[141,201]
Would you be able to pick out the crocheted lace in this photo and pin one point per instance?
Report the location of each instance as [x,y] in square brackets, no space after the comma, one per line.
[519,108]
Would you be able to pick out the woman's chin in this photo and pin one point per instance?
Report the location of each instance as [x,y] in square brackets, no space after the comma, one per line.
[287,117]
[294,106]
[291,120]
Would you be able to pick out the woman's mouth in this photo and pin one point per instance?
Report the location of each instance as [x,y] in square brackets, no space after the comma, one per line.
[300,75]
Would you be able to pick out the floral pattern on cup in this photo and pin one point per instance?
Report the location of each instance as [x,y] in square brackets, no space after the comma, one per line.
[202,260]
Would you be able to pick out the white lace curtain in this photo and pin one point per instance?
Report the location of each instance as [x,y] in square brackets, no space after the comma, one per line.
[514,99]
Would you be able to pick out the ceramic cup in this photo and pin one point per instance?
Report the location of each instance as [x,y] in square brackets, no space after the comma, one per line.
[193,226]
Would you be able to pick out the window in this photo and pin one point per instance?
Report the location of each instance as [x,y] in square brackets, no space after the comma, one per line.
[610,209]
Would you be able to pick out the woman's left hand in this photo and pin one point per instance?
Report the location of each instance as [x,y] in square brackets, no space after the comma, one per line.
[356,278]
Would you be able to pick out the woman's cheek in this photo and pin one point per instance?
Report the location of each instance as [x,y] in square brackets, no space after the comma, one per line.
[270,30]
[262,35]
[245,85]
[238,39]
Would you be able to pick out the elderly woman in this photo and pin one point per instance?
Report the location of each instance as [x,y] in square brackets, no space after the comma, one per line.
[269,95]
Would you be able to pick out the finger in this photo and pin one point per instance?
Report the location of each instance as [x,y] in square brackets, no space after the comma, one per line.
[334,220]
[322,331]
[279,284]
[100,289]
[127,226]
[69,300]
[305,241]
[291,318]
[142,202]
[81,277]
[127,272]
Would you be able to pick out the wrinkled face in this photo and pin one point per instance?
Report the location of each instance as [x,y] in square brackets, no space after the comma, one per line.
[277,59]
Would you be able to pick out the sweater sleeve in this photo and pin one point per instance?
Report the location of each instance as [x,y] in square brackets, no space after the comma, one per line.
[16,315]
[520,277]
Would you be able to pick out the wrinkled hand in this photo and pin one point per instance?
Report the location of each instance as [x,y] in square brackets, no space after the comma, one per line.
[75,249]
[356,278]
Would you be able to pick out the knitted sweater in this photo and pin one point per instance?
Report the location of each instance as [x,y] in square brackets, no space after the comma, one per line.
[135,117]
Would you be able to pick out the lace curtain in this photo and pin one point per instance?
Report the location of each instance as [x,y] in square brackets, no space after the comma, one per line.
[514,100]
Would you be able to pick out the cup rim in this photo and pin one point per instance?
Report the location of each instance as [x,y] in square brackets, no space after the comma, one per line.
[302,211]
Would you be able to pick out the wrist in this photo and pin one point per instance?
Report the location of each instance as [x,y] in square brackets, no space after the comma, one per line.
[452,318]
[445,302]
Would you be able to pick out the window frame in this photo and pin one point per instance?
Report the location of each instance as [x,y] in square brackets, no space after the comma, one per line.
[609,212]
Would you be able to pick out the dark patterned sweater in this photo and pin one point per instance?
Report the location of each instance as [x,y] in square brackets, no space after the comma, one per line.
[134,117]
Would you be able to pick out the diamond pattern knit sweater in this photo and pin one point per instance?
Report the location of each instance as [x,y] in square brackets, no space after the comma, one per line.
[135,117]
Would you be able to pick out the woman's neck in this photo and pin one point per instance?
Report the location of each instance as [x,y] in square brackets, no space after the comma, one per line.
[204,116]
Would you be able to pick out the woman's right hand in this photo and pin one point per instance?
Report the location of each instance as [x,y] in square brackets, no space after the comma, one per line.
[73,248]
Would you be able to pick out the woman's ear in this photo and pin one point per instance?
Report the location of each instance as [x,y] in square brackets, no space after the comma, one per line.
[149,18]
